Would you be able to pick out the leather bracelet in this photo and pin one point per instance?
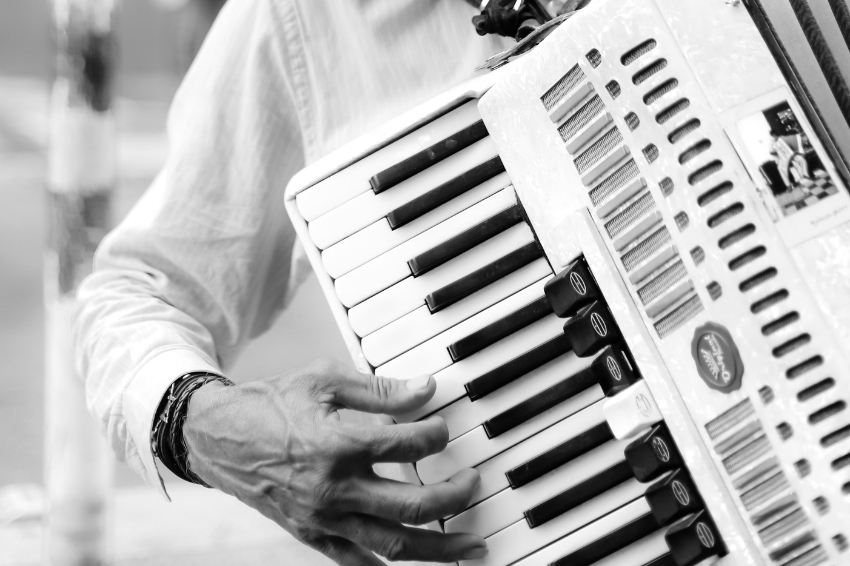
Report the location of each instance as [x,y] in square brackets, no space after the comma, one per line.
[167,440]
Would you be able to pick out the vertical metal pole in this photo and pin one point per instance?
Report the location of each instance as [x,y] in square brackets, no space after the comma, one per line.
[81,178]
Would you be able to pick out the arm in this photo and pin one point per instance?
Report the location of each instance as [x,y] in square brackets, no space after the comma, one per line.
[202,262]
[200,266]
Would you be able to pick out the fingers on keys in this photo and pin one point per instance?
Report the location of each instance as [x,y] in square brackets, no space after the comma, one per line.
[374,394]
[395,541]
[412,504]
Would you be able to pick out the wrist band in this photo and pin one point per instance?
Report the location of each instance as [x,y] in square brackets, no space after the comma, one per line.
[167,441]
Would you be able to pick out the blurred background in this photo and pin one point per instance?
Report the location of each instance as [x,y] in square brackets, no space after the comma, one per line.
[156,40]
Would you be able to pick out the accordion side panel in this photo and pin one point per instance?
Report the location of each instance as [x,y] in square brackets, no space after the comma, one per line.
[711,224]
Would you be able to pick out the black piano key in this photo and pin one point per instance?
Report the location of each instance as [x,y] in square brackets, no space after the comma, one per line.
[615,370]
[516,368]
[693,539]
[480,278]
[539,403]
[492,333]
[653,454]
[465,241]
[572,288]
[419,206]
[664,560]
[560,455]
[578,494]
[417,163]
[610,543]
[591,329]
[672,497]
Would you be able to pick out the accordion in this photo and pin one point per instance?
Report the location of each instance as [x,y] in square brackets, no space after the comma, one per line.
[625,258]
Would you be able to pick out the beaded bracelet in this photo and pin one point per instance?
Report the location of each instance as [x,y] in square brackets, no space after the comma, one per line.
[167,440]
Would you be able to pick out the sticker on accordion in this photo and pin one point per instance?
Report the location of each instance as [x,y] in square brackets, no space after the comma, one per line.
[718,361]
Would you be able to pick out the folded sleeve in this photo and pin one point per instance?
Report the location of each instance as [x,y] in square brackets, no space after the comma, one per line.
[203,261]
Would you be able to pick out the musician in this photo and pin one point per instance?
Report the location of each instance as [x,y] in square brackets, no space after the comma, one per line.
[207,259]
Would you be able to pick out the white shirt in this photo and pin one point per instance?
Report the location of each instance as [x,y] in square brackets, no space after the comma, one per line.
[204,262]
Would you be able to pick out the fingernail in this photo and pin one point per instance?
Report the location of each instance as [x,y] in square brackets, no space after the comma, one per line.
[418,383]
[475,552]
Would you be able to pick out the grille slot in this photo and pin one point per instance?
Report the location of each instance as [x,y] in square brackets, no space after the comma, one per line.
[705,172]
[636,53]
[815,390]
[757,279]
[765,491]
[659,91]
[650,152]
[769,301]
[646,248]
[698,255]
[682,221]
[632,121]
[791,345]
[662,282]
[804,367]
[826,412]
[725,215]
[667,186]
[613,89]
[715,291]
[598,150]
[581,118]
[672,110]
[713,194]
[594,57]
[736,236]
[682,131]
[645,73]
[746,258]
[779,324]
[679,317]
[616,181]
[840,463]
[636,210]
[562,87]
[835,437]
[746,455]
[692,152]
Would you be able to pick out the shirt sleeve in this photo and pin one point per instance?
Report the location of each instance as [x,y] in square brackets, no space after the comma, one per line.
[203,261]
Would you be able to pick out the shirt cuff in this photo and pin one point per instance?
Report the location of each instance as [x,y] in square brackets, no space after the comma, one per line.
[143,395]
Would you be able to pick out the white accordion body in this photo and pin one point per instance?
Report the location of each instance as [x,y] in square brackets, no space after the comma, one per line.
[665,143]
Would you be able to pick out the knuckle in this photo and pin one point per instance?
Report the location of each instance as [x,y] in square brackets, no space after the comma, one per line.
[379,387]
[395,549]
[413,512]
[323,494]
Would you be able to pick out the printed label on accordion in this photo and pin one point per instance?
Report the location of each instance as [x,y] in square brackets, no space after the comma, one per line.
[718,361]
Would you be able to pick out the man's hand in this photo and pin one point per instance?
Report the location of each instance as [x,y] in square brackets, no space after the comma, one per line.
[279,446]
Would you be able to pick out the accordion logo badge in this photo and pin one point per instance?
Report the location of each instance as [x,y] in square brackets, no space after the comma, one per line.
[578,284]
[718,361]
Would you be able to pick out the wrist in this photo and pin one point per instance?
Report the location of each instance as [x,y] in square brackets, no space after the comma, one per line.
[167,437]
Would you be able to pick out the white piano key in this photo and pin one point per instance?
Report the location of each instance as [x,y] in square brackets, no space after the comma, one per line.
[366,208]
[639,553]
[354,180]
[372,241]
[507,506]
[464,415]
[474,447]
[391,267]
[573,530]
[435,359]
[409,294]
[421,325]
[492,472]
[631,410]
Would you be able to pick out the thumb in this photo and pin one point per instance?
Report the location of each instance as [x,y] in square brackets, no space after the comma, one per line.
[375,394]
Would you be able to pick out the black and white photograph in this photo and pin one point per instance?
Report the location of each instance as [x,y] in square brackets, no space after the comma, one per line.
[424,282]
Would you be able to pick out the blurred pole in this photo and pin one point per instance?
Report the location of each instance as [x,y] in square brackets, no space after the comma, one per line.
[81,178]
